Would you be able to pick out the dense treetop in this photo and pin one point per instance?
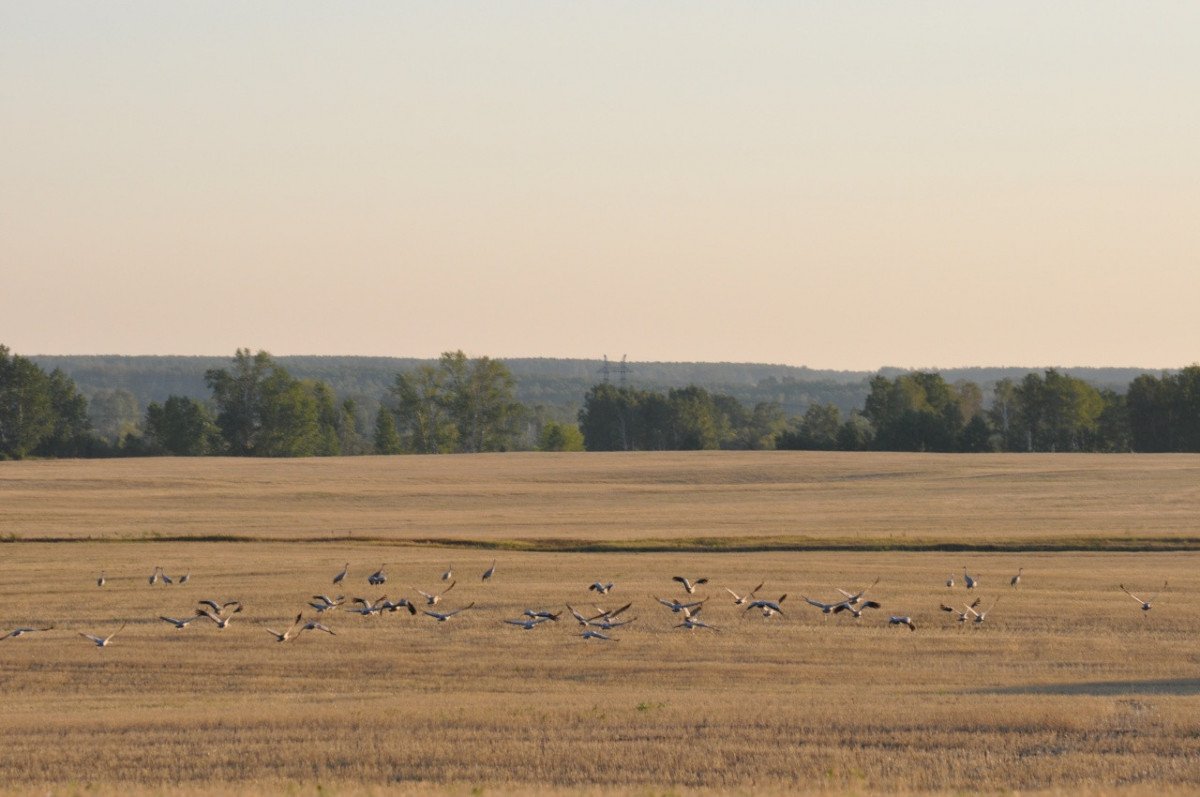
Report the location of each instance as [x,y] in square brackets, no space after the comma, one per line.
[259,405]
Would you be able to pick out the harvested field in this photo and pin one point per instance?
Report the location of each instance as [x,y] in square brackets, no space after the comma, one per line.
[1068,685]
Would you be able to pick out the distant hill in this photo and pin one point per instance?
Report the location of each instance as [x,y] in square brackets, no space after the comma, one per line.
[556,385]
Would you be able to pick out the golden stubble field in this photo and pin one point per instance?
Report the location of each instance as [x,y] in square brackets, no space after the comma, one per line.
[1068,685]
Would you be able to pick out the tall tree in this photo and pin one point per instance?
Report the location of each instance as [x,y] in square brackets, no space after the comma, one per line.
[480,401]
[238,396]
[71,433]
[421,413]
[182,426]
[386,439]
[26,414]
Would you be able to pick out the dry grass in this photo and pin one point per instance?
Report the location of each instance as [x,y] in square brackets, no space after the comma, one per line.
[753,499]
[1068,686]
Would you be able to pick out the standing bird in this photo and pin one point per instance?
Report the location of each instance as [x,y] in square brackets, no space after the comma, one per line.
[377,577]
[1017,578]
[970,582]
[184,578]
[448,574]
[154,576]
[100,582]
[491,571]
[342,575]
[1146,603]
[690,586]
[950,581]
[102,642]
[903,621]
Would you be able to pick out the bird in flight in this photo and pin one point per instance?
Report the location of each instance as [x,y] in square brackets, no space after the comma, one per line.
[442,617]
[962,616]
[768,608]
[323,603]
[432,599]
[603,589]
[676,606]
[693,622]
[16,632]
[903,621]
[826,608]
[178,623]
[102,641]
[980,615]
[742,600]
[590,634]
[856,611]
[1145,603]
[690,586]
[852,599]
[221,614]
[528,622]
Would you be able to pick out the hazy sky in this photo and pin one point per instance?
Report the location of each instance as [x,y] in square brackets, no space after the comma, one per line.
[833,184]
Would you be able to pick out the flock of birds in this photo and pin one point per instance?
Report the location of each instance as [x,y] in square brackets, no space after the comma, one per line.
[598,624]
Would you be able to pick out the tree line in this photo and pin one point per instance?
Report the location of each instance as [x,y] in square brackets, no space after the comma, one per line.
[462,405]
[1048,412]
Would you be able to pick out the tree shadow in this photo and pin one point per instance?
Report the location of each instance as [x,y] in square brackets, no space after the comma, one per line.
[1165,686]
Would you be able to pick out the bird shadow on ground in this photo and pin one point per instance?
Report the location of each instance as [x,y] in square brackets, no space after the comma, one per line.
[1166,686]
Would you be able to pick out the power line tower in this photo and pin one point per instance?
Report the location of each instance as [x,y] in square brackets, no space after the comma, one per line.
[623,370]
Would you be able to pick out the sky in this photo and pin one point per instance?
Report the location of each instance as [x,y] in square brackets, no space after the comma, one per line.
[846,185]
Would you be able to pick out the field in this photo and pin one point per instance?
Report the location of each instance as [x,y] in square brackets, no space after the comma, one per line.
[1066,686]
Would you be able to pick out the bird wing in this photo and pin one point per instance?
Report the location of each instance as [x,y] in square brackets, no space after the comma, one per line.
[1130,594]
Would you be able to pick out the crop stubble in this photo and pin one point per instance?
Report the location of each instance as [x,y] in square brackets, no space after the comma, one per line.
[1067,685]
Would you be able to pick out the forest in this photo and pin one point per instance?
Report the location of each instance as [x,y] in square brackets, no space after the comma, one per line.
[258,405]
